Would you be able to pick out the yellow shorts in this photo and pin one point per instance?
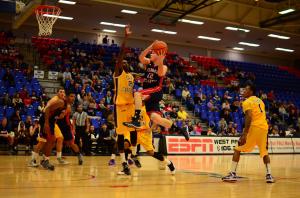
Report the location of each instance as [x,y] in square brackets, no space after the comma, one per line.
[256,136]
[57,132]
[123,113]
[145,139]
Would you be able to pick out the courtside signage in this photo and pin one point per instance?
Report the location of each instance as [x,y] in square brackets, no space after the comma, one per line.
[224,145]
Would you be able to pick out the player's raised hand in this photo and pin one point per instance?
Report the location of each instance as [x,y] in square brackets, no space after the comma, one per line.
[127,30]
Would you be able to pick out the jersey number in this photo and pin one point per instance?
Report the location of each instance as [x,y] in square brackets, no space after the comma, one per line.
[150,76]
[260,108]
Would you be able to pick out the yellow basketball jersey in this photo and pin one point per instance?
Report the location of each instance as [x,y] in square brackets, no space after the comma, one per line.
[124,89]
[257,107]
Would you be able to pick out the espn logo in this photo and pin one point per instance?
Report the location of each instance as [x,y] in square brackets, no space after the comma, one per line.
[180,145]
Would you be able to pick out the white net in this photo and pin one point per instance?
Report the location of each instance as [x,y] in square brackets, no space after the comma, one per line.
[46,17]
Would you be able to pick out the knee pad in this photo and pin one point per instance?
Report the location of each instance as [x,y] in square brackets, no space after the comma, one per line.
[133,138]
[120,142]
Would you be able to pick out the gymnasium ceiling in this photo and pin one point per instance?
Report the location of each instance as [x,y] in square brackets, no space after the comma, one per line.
[238,13]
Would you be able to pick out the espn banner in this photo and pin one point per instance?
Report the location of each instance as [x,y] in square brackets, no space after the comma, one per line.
[225,145]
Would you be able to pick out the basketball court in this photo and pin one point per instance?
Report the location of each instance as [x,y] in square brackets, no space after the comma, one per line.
[196,176]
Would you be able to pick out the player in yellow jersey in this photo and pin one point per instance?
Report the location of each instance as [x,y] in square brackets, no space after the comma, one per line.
[124,105]
[144,138]
[255,133]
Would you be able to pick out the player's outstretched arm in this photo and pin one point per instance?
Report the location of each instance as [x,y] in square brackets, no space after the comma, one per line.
[119,64]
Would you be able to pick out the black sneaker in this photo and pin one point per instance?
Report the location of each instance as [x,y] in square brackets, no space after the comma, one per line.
[80,160]
[185,132]
[46,164]
[172,168]
[136,161]
[126,170]
[231,177]
[270,178]
[135,123]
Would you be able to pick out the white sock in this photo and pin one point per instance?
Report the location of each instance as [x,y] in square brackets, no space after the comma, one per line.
[58,154]
[113,156]
[233,166]
[46,158]
[133,150]
[34,155]
[123,157]
[167,161]
[268,168]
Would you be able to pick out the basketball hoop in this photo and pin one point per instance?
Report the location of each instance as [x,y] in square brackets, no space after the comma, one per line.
[46,16]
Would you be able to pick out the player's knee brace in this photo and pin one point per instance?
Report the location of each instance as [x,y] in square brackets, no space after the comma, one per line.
[133,138]
[121,142]
[158,156]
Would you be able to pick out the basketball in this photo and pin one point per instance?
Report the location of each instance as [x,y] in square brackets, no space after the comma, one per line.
[160,48]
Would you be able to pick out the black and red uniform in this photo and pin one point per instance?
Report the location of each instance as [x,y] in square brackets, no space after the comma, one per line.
[152,88]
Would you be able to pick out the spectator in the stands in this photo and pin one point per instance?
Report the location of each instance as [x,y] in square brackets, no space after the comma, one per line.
[185,93]
[226,116]
[226,105]
[197,98]
[92,107]
[293,118]
[22,135]
[235,105]
[27,100]
[5,100]
[9,78]
[271,96]
[182,114]
[231,129]
[23,93]
[108,99]
[41,107]
[282,111]
[210,105]
[222,127]
[98,86]
[226,96]
[92,136]
[274,132]
[105,40]
[105,140]
[173,114]
[15,119]
[6,133]
[28,123]
[197,129]
[34,133]
[67,75]
[216,97]
[17,101]
[34,97]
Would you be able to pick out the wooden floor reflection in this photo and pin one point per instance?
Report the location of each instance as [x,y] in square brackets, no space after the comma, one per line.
[196,176]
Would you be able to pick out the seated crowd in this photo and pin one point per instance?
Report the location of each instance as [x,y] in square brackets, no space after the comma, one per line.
[87,71]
